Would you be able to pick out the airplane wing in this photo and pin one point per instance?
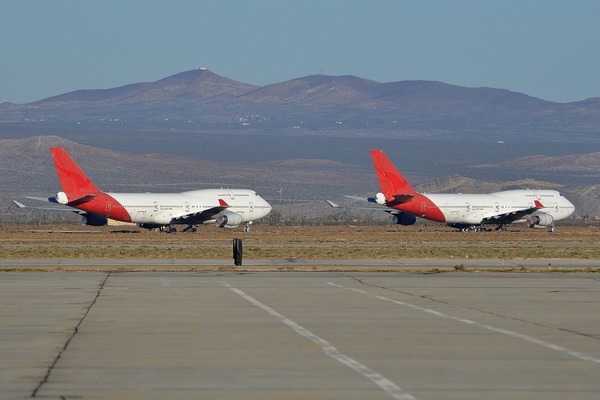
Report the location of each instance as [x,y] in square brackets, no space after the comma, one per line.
[87,218]
[49,208]
[199,217]
[365,208]
[512,216]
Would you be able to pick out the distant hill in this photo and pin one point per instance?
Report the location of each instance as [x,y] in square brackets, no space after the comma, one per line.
[296,187]
[584,163]
[196,86]
[202,101]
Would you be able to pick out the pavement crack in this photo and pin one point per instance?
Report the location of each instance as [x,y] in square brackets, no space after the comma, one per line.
[75,331]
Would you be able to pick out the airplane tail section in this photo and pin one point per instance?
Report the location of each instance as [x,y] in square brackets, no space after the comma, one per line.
[76,185]
[391,182]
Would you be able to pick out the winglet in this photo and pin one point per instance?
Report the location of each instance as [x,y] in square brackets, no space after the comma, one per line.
[538,204]
[20,205]
[391,181]
[332,204]
[222,203]
[72,179]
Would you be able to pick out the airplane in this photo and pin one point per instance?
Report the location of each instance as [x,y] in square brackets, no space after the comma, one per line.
[227,208]
[535,208]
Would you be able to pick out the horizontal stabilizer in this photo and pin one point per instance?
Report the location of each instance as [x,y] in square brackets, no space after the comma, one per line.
[400,199]
[72,199]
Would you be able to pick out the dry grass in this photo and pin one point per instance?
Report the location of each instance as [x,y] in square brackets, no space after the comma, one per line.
[329,242]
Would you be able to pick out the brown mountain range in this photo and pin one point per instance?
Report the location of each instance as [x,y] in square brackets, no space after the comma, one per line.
[202,101]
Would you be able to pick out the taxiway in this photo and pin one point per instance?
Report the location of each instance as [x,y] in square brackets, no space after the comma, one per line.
[318,335]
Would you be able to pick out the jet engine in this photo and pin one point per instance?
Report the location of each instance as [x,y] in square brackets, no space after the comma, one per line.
[229,220]
[404,219]
[93,220]
[539,219]
[380,198]
[61,198]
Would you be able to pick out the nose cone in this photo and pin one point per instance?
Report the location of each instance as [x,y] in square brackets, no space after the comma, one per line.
[564,207]
[267,208]
[570,207]
[263,206]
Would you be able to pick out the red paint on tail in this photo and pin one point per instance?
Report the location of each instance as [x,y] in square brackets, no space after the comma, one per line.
[72,179]
[81,192]
[398,192]
[390,179]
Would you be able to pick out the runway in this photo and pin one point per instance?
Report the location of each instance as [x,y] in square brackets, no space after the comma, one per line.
[313,335]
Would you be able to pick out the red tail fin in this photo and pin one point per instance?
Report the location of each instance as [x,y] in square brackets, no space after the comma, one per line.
[391,181]
[72,179]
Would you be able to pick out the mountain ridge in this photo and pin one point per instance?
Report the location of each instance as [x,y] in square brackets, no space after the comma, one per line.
[204,102]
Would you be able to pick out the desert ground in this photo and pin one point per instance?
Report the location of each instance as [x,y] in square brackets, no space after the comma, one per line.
[307,242]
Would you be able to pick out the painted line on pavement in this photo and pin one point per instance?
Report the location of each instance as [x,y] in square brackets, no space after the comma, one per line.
[491,328]
[384,383]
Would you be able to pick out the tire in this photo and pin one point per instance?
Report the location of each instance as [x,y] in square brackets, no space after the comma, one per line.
[237,252]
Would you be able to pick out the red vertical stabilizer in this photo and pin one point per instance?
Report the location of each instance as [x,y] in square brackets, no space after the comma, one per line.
[390,179]
[72,179]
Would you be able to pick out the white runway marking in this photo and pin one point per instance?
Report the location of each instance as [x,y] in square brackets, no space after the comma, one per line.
[388,386]
[507,332]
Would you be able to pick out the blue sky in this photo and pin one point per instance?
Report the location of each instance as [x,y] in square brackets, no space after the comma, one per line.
[547,49]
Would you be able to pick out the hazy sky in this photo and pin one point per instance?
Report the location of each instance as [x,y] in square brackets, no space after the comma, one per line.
[547,49]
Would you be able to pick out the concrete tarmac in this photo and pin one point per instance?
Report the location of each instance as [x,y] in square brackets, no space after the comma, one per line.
[299,335]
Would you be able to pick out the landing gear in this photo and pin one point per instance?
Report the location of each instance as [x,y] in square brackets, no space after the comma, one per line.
[190,228]
[551,228]
[501,227]
[479,228]
[168,229]
[247,227]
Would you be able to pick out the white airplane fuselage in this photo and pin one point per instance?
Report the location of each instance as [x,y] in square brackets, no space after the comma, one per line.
[472,209]
[162,208]
[536,208]
[228,208]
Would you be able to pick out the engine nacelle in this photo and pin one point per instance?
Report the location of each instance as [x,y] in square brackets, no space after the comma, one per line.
[404,219]
[229,220]
[540,219]
[61,198]
[93,220]
[380,198]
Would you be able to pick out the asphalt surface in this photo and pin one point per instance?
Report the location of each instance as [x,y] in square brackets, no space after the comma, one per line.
[299,335]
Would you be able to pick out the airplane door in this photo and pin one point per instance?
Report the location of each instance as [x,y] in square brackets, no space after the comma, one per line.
[186,207]
[141,216]
[251,207]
